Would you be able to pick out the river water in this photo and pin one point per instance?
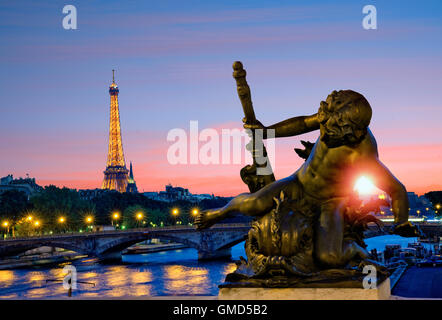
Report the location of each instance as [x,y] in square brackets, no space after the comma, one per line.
[168,273]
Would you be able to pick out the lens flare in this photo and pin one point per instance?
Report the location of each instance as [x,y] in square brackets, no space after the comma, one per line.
[364,186]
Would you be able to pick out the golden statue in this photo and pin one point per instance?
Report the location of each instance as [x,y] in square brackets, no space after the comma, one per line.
[308,227]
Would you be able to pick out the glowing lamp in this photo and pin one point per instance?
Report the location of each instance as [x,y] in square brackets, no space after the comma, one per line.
[364,185]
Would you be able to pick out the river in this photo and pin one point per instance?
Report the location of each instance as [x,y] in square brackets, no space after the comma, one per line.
[167,273]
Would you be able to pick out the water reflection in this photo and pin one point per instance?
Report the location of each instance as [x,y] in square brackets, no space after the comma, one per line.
[6,278]
[182,280]
[172,273]
[164,273]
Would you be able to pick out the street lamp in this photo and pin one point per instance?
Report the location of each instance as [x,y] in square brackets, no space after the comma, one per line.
[89,220]
[62,220]
[5,224]
[139,217]
[115,216]
[195,212]
[29,218]
[438,206]
[175,213]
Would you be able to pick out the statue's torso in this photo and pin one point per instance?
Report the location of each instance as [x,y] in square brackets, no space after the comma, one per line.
[331,172]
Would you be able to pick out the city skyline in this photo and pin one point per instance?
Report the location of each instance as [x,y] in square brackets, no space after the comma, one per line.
[173,65]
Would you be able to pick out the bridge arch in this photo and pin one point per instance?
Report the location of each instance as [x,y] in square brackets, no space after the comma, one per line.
[118,245]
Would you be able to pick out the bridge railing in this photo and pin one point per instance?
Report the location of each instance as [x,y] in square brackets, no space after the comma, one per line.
[127,231]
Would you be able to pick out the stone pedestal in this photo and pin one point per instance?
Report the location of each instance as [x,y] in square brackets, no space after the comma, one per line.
[382,292]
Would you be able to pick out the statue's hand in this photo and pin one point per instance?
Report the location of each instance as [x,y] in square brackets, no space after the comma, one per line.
[407,229]
[254,126]
[206,219]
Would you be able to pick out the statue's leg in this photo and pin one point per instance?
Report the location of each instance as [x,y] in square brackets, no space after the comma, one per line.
[250,204]
[330,247]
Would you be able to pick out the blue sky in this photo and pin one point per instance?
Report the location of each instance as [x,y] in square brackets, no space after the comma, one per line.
[173,62]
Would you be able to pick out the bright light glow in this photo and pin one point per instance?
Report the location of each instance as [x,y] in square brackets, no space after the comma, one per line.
[381,196]
[61,219]
[438,206]
[364,185]
[411,219]
[89,219]
[5,224]
[139,216]
[116,215]
[175,211]
[37,223]
[29,218]
[195,211]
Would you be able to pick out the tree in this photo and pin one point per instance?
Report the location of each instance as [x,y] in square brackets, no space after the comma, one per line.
[12,204]
[135,216]
[53,203]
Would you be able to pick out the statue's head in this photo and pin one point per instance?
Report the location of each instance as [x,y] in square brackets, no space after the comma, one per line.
[344,118]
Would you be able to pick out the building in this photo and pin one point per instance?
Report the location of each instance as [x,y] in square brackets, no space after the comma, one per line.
[419,206]
[171,194]
[89,194]
[131,184]
[116,174]
[26,185]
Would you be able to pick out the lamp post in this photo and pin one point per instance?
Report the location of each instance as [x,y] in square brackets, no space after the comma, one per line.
[37,224]
[195,212]
[89,220]
[115,216]
[5,224]
[61,221]
[175,213]
[139,217]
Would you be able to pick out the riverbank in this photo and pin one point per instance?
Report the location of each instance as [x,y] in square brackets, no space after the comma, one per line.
[150,248]
[48,256]
[39,260]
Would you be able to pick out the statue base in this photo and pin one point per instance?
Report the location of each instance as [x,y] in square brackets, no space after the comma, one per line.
[232,292]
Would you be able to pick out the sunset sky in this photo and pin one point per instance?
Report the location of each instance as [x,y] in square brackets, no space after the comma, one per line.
[173,62]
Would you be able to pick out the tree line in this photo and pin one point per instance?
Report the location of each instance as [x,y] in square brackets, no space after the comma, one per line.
[58,210]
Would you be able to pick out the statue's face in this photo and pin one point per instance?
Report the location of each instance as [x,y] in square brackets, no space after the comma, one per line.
[341,120]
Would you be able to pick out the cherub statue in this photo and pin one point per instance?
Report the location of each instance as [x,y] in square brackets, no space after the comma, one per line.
[345,150]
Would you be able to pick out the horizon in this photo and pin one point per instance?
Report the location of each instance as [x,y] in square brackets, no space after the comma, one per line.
[173,64]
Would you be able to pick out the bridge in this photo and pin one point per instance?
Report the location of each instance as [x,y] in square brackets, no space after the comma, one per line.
[212,243]
[430,230]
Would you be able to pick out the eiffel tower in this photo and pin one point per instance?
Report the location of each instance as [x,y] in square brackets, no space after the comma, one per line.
[116,173]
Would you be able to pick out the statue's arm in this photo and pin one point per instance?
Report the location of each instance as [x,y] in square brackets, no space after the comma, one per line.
[295,126]
[387,182]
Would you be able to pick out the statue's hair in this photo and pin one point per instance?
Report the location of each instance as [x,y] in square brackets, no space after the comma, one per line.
[351,111]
